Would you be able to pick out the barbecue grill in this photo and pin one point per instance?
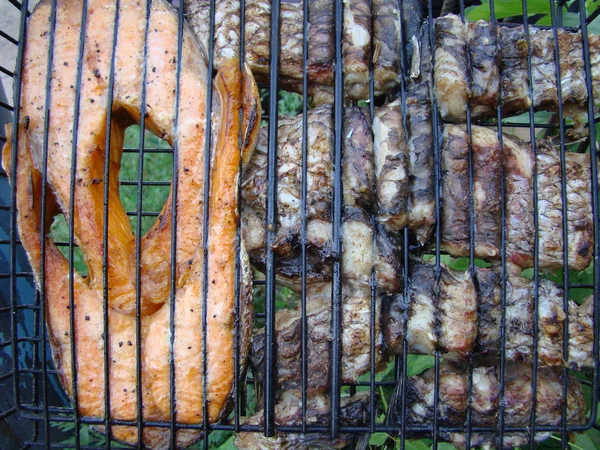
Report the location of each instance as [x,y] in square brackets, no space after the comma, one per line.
[34,410]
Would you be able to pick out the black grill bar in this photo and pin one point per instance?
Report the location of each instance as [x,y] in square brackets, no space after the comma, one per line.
[304,350]
[13,214]
[42,293]
[71,220]
[9,38]
[595,206]
[336,284]
[270,286]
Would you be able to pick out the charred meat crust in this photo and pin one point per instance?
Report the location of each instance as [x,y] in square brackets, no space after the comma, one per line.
[391,166]
[450,72]
[386,45]
[433,310]
[356,48]
[421,201]
[518,395]
[485,73]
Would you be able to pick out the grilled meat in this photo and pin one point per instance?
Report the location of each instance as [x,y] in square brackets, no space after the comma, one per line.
[487,179]
[518,395]
[433,310]
[391,166]
[386,45]
[520,319]
[354,411]
[89,344]
[412,32]
[358,177]
[356,48]
[550,207]
[257,38]
[421,200]
[450,68]
[485,73]
[581,334]
[543,70]
[512,47]
[519,162]
[455,228]
[355,339]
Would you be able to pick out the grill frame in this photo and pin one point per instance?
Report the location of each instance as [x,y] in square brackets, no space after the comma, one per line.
[40,414]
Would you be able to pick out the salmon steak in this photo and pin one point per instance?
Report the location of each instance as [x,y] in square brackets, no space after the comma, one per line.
[60,163]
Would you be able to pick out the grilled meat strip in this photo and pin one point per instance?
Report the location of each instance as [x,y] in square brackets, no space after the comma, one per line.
[485,73]
[487,179]
[359,184]
[518,397]
[355,339]
[386,45]
[54,280]
[441,315]
[354,411]
[518,160]
[257,38]
[579,208]
[520,318]
[450,68]
[421,200]
[512,52]
[391,166]
[543,70]
[581,334]
[356,48]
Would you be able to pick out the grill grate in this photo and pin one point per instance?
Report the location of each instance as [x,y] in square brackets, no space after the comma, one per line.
[35,405]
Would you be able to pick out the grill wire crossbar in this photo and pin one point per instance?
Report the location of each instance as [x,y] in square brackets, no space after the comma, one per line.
[30,381]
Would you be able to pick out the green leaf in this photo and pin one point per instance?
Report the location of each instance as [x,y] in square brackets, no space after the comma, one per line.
[417,364]
[445,446]
[594,436]
[416,445]
[228,444]
[378,438]
[583,442]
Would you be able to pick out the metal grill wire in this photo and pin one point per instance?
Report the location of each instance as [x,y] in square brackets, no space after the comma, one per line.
[32,380]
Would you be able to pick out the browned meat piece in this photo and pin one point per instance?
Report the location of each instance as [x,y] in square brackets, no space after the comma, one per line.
[356,48]
[386,45]
[358,171]
[518,394]
[520,319]
[288,412]
[489,293]
[257,38]
[579,208]
[455,228]
[519,206]
[434,310]
[391,166]
[594,42]
[355,339]
[421,200]
[581,334]
[572,78]
[514,78]
[485,73]
[519,164]
[487,182]
[450,68]
[358,183]
[543,69]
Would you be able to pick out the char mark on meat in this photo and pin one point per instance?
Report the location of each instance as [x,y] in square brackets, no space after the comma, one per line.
[391,166]
[433,309]
[356,48]
[421,201]
[514,79]
[386,45]
[450,68]
[485,73]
